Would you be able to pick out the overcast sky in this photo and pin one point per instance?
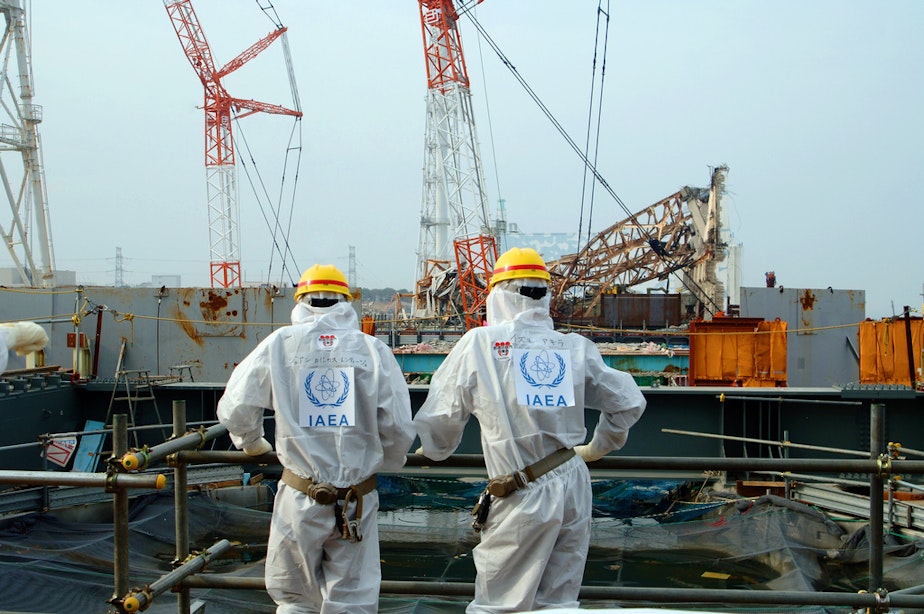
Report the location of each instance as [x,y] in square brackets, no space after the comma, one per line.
[816,108]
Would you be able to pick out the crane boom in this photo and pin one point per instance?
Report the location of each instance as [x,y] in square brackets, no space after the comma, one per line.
[250,53]
[221,175]
[678,233]
[192,38]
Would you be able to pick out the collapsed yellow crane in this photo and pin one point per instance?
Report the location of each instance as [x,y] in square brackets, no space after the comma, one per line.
[680,233]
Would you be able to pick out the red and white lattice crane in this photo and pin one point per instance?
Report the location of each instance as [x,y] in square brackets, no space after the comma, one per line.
[454,222]
[221,172]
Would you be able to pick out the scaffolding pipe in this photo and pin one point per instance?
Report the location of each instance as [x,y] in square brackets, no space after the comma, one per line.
[749,597]
[30,444]
[873,466]
[121,555]
[618,462]
[877,466]
[81,478]
[136,460]
[911,451]
[814,478]
[751,464]
[782,444]
[181,506]
[44,438]
[876,443]
[227,457]
[913,590]
[139,599]
[909,485]
[727,397]
[615,593]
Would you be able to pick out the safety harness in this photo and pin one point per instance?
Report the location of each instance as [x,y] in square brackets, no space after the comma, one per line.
[326,494]
[505,485]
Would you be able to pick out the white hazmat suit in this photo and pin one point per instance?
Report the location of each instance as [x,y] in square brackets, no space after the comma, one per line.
[528,385]
[22,338]
[343,413]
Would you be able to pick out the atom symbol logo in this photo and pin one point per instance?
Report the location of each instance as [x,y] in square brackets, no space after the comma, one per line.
[327,387]
[543,367]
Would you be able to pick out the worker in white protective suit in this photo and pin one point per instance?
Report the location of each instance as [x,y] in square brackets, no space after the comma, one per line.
[343,414]
[528,385]
[22,338]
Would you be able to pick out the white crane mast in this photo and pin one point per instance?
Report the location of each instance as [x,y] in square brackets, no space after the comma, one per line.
[454,201]
[21,172]
[453,193]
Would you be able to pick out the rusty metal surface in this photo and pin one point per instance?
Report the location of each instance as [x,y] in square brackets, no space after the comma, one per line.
[640,310]
[823,350]
[208,330]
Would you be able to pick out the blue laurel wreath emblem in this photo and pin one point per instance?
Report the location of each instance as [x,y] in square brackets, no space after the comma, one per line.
[316,402]
[529,380]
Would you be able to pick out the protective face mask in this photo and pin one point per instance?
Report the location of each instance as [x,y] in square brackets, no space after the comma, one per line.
[322,302]
[530,288]
[533,293]
[322,299]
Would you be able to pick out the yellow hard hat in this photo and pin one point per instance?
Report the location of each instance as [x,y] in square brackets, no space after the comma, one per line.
[519,263]
[322,278]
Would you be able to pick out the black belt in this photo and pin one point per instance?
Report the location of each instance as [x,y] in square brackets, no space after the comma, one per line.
[507,484]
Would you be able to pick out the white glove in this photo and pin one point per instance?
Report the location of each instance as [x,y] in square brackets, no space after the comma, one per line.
[258,448]
[589,453]
[421,452]
[25,337]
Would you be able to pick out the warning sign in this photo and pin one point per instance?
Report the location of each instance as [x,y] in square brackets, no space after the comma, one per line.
[60,450]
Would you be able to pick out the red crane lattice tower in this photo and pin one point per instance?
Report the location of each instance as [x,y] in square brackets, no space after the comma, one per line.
[220,168]
[454,212]
[475,258]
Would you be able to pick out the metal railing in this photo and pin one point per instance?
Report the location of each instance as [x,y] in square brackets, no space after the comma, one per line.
[184,449]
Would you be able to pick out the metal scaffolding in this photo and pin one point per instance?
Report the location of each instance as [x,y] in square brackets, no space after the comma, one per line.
[184,449]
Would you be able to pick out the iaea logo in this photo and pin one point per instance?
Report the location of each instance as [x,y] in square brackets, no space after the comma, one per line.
[327,388]
[540,372]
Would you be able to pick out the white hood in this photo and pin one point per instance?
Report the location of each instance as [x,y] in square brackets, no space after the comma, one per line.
[341,315]
[506,304]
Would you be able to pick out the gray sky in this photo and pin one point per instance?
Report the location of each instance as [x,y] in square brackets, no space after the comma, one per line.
[814,106]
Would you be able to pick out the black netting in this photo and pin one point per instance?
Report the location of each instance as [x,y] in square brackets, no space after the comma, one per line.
[643,535]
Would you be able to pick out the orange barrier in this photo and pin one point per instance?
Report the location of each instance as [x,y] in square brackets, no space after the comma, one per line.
[368,325]
[747,352]
[884,351]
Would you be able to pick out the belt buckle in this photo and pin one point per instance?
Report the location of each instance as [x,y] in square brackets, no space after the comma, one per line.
[501,487]
[325,494]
